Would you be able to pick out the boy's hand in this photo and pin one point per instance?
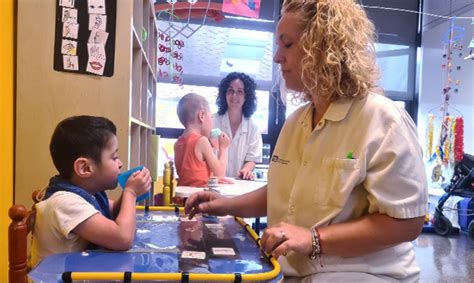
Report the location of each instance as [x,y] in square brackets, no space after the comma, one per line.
[224,141]
[139,182]
[224,180]
[214,143]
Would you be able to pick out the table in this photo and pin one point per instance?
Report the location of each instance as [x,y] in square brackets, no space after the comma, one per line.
[239,187]
[168,247]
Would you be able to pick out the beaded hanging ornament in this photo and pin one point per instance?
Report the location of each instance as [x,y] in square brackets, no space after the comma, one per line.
[459,139]
[449,146]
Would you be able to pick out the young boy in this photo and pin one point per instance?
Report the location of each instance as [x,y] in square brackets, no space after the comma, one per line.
[75,211]
[194,157]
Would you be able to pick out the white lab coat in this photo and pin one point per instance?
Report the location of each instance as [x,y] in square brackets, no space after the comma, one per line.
[245,146]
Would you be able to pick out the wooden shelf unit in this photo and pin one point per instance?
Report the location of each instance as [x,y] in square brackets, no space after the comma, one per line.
[143,96]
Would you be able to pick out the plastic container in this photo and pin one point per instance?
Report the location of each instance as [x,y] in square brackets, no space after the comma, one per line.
[215,132]
[123,177]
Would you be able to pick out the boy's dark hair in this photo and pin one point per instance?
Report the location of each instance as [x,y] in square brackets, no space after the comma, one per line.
[79,136]
[250,104]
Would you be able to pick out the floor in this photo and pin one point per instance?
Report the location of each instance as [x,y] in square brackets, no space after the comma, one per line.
[445,259]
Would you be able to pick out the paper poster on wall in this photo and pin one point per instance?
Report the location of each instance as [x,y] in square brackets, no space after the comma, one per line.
[245,8]
[85,36]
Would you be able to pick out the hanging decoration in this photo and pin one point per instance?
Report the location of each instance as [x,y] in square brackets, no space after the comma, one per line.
[172,34]
[170,59]
[449,146]
[459,139]
[431,119]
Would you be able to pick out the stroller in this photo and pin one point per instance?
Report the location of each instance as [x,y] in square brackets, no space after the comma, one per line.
[461,184]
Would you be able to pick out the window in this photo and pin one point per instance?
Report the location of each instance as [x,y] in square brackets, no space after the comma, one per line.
[393,63]
[246,45]
[210,52]
[169,95]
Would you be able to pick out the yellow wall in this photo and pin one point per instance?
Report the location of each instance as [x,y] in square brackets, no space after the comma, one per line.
[44,97]
[6,126]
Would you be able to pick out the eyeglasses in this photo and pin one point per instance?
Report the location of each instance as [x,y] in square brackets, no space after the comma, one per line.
[239,92]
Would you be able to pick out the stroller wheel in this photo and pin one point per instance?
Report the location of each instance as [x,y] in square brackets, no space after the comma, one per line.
[470,231]
[442,225]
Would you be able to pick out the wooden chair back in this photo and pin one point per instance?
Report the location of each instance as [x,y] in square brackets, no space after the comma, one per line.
[23,222]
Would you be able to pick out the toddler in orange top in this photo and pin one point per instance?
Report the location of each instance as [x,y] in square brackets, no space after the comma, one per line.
[194,156]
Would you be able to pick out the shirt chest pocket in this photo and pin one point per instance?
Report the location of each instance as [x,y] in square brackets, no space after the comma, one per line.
[338,178]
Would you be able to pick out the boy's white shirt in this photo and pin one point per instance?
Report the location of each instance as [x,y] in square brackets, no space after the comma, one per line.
[56,217]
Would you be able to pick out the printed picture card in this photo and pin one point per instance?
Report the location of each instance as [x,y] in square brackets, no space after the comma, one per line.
[165,218]
[70,63]
[95,66]
[69,15]
[70,30]
[223,251]
[96,51]
[69,47]
[96,6]
[97,21]
[66,3]
[193,255]
[214,226]
[186,219]
[98,36]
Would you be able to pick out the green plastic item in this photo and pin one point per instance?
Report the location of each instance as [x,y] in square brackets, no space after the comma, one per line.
[144,34]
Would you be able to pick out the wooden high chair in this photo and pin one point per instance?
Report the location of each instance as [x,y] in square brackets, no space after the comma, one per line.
[23,222]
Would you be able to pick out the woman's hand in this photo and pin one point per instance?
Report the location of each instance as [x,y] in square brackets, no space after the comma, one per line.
[284,238]
[205,202]
[245,174]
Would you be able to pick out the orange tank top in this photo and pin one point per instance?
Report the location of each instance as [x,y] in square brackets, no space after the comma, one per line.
[192,171]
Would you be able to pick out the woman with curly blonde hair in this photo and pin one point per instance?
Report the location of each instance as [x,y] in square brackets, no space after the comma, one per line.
[346,190]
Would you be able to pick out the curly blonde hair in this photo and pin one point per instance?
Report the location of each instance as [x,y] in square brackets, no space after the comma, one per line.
[338,42]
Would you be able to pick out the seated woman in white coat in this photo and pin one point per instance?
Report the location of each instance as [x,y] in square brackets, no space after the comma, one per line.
[236,103]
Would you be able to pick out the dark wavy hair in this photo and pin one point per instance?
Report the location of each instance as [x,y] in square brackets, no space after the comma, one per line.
[79,136]
[250,104]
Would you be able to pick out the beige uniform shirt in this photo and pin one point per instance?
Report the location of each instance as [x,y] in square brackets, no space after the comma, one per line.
[311,182]
[56,217]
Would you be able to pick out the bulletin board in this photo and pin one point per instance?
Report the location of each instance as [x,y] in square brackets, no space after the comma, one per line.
[85,36]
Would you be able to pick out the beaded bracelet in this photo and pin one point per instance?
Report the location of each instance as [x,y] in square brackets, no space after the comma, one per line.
[316,245]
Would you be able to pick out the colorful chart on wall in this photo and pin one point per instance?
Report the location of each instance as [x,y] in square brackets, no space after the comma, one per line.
[245,8]
[84,39]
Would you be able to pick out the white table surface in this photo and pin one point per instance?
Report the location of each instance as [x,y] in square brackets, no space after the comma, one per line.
[239,187]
